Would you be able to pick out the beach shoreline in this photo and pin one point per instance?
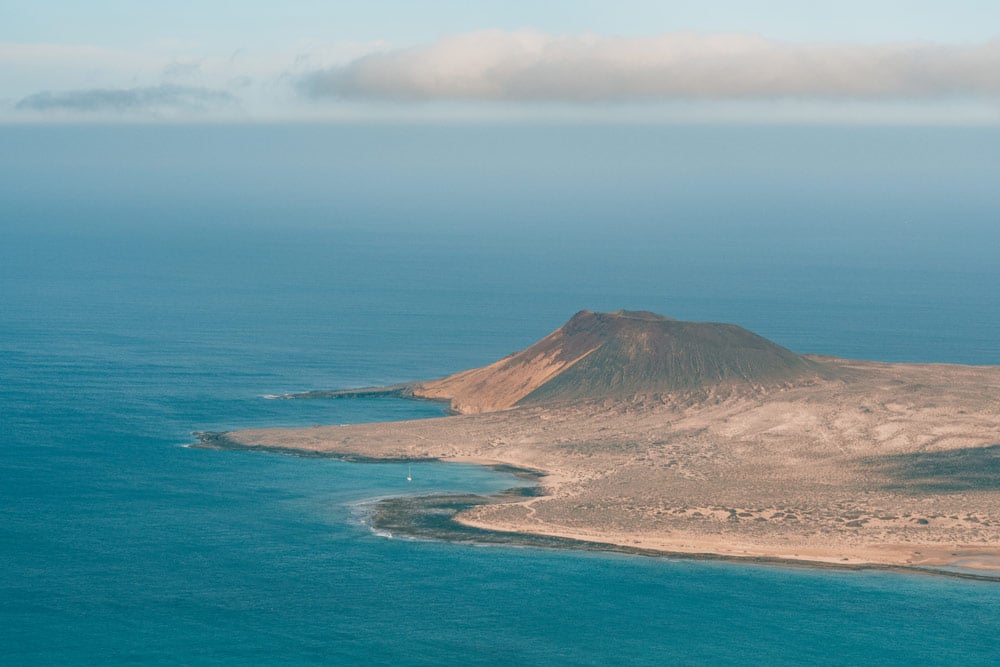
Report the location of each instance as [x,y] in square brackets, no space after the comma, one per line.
[452,518]
[864,464]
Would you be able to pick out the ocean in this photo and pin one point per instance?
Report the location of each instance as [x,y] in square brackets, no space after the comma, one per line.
[161,280]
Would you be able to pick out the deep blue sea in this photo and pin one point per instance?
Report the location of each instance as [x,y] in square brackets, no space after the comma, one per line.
[156,281]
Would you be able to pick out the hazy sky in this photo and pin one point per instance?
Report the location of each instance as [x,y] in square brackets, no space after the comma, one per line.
[885,61]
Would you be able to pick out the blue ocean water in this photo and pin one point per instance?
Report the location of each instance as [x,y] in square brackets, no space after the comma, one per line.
[158,281]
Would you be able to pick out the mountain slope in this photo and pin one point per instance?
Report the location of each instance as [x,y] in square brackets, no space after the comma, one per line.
[622,354]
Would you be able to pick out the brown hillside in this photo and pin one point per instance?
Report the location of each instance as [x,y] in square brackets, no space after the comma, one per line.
[620,355]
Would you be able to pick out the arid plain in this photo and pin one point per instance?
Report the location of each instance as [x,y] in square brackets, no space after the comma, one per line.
[694,438]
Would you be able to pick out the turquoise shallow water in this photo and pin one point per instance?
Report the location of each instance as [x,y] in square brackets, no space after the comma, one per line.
[125,327]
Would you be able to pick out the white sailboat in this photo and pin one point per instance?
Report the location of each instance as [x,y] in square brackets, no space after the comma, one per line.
[409,474]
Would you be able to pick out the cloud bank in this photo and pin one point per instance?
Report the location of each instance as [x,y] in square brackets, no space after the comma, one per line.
[526,66]
[162,98]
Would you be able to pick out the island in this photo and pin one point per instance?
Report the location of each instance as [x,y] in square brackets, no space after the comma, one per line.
[706,440]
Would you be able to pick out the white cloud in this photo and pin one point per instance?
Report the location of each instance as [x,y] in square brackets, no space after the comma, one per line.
[529,66]
[517,76]
[58,81]
[159,99]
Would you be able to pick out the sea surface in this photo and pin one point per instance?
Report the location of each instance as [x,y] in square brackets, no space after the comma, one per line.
[156,281]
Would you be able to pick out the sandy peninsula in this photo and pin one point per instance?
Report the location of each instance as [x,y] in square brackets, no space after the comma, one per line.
[693,438]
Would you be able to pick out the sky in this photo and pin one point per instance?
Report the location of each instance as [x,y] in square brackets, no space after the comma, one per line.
[874,61]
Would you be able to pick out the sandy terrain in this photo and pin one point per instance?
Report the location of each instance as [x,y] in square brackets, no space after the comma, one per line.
[893,464]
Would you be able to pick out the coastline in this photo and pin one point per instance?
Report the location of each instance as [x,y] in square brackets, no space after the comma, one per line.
[447,517]
[595,543]
[469,531]
[882,465]
[220,440]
